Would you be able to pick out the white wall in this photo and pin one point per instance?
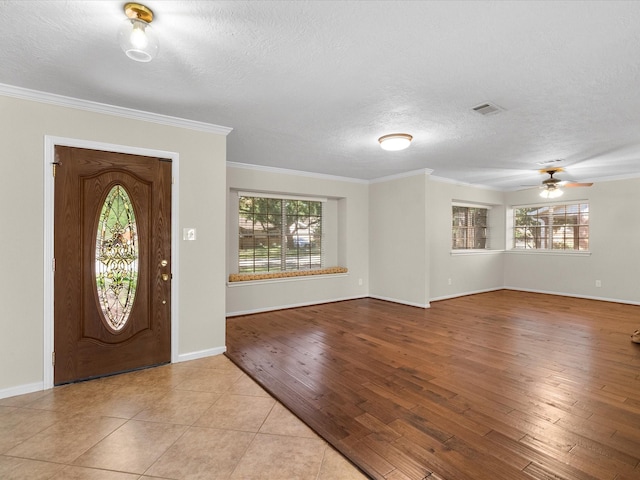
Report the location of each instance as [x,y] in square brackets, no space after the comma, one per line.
[407,236]
[470,272]
[411,260]
[347,240]
[399,240]
[614,259]
[23,126]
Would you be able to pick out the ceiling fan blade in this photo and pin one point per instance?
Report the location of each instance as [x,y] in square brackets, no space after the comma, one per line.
[576,184]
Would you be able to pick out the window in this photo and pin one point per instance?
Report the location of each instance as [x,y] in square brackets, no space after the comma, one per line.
[469,227]
[552,227]
[279,234]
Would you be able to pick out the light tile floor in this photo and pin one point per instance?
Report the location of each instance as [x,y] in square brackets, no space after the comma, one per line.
[203,419]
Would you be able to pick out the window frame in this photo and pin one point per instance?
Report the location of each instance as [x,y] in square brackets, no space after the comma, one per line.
[487,227]
[550,239]
[296,251]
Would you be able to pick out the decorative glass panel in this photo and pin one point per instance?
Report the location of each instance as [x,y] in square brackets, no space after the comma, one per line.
[117,257]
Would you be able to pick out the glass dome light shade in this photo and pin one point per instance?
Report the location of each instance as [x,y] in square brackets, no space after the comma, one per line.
[395,141]
[138,40]
[551,193]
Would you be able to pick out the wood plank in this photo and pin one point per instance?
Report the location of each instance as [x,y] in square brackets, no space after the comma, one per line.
[501,385]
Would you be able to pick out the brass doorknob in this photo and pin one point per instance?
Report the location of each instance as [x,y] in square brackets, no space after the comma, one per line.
[165,277]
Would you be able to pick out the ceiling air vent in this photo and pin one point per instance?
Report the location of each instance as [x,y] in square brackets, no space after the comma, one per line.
[548,163]
[487,109]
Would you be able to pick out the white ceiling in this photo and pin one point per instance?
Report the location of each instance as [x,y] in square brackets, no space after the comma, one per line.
[311,85]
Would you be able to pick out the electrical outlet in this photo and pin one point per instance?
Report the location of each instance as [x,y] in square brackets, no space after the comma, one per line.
[360,281]
[449,281]
[598,283]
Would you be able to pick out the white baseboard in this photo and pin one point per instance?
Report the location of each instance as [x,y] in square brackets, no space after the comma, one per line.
[464,294]
[21,389]
[574,295]
[293,305]
[427,305]
[402,302]
[185,357]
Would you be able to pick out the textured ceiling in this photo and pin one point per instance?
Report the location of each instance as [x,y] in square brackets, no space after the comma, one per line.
[311,85]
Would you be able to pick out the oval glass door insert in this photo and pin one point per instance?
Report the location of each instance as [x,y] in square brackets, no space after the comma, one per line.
[117,258]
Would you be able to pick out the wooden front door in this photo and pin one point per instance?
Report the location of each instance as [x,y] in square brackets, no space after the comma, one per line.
[112,249]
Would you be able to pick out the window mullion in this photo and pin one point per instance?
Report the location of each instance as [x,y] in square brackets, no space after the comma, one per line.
[283,235]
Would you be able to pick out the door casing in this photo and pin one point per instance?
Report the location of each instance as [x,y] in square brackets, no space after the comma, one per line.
[49,157]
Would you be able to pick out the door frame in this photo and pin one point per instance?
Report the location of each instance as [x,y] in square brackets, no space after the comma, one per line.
[50,143]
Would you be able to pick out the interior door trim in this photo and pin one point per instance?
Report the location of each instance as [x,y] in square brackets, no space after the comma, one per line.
[50,142]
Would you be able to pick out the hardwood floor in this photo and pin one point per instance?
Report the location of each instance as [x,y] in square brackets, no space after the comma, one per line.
[502,385]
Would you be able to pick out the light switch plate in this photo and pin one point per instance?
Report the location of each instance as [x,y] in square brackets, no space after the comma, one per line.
[188,233]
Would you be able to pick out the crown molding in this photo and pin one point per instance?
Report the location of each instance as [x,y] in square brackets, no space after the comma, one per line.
[95,107]
[412,173]
[465,184]
[424,171]
[612,178]
[299,173]
[322,176]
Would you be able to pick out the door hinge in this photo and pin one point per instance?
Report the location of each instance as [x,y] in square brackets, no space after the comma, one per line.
[53,264]
[53,358]
[54,165]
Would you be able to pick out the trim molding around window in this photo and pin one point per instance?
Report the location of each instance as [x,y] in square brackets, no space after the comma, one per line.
[469,227]
[280,196]
[554,228]
[485,251]
[566,253]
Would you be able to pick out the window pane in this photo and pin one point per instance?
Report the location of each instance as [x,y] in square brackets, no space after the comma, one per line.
[274,206]
[533,237]
[519,237]
[246,254]
[275,253]
[261,255]
[246,204]
[459,237]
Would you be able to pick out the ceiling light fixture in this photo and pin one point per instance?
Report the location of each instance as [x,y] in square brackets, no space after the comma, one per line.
[395,141]
[551,191]
[136,36]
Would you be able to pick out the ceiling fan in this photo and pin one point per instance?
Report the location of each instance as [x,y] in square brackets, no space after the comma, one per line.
[551,186]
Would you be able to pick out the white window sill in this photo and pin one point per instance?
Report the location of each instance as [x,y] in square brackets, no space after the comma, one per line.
[533,251]
[475,252]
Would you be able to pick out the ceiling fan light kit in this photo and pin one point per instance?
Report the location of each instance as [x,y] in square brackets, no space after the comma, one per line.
[135,35]
[551,186]
[395,141]
[551,192]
